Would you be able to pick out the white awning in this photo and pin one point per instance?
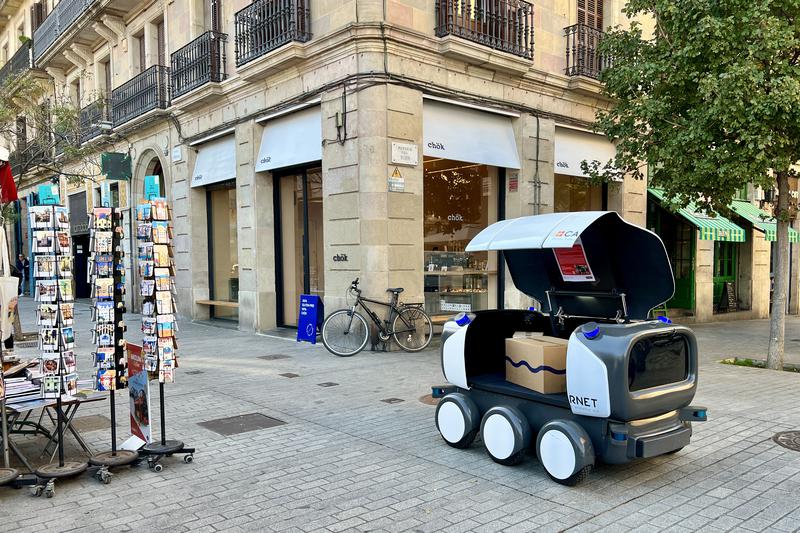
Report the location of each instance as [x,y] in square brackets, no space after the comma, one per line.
[573,146]
[463,134]
[216,161]
[291,140]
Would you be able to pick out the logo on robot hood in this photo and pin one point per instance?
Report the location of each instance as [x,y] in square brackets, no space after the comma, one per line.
[566,234]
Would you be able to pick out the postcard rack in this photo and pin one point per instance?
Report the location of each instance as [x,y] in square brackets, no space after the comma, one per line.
[107,278]
[53,268]
[159,327]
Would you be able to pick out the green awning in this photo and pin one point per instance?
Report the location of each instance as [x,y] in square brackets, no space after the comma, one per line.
[716,228]
[762,220]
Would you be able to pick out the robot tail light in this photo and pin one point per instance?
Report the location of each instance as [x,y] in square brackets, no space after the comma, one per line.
[590,330]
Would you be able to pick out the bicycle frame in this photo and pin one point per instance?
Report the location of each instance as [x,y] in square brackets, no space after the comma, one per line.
[394,309]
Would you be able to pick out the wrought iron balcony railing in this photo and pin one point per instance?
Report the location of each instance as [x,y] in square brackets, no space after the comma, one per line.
[19,63]
[145,92]
[91,117]
[505,25]
[583,51]
[266,25]
[199,62]
[64,14]
[35,152]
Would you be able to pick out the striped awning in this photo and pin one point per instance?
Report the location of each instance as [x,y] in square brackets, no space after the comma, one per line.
[762,220]
[710,228]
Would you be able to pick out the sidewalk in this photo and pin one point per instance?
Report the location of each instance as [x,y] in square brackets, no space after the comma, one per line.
[346,460]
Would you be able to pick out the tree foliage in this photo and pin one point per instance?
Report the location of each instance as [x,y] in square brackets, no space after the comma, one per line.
[709,102]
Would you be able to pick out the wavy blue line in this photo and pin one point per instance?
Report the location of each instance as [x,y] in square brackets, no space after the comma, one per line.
[536,370]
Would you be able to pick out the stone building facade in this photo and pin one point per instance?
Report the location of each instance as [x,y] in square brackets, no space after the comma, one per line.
[304,143]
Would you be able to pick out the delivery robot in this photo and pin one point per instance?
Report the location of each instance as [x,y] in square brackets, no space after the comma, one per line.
[629,380]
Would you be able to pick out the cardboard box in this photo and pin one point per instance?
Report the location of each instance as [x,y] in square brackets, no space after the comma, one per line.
[537,363]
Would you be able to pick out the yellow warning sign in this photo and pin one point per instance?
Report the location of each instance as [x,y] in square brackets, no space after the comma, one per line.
[396,173]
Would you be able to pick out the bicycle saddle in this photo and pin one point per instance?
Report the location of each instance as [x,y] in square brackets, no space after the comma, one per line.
[398,290]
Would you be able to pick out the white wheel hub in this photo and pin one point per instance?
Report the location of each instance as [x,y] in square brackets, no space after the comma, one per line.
[498,436]
[451,422]
[557,454]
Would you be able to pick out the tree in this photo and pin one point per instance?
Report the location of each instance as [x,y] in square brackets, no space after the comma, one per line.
[709,102]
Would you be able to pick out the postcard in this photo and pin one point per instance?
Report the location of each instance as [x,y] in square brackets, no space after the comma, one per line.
[106,379]
[50,365]
[71,384]
[67,314]
[65,267]
[160,211]
[68,337]
[62,217]
[43,242]
[165,325]
[164,302]
[47,314]
[41,216]
[143,211]
[51,386]
[104,357]
[148,326]
[63,242]
[144,231]
[48,339]
[161,255]
[104,288]
[104,311]
[104,335]
[146,287]
[70,363]
[162,279]
[102,218]
[146,251]
[148,308]
[103,242]
[146,269]
[46,290]
[161,232]
[44,266]
[65,290]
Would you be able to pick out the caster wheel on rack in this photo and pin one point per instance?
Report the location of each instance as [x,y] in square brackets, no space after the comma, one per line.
[158,468]
[188,459]
[37,491]
[50,489]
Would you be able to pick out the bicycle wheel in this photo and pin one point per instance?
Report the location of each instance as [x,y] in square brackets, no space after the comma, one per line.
[412,329]
[345,333]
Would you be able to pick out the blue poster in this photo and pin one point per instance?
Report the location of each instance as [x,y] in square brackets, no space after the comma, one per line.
[152,188]
[48,194]
[105,194]
[311,315]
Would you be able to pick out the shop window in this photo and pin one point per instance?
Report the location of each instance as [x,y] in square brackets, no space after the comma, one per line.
[725,259]
[573,193]
[460,199]
[223,249]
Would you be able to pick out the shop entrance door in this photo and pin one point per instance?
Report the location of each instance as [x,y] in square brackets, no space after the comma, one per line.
[301,243]
[726,262]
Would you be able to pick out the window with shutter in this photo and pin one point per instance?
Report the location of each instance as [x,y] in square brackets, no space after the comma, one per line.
[107,76]
[590,13]
[22,134]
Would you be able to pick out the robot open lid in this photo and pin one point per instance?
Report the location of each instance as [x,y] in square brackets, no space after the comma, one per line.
[629,380]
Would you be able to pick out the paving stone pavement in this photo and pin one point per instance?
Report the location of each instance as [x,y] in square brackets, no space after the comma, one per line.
[345,461]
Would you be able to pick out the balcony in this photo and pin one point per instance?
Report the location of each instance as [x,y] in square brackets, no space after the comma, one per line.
[266,25]
[29,155]
[64,14]
[91,117]
[19,63]
[145,92]
[504,25]
[199,62]
[583,51]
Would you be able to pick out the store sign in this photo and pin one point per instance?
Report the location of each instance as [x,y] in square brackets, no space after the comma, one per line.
[310,317]
[177,154]
[459,308]
[340,258]
[405,154]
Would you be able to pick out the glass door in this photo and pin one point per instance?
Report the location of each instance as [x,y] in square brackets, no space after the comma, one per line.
[223,250]
[302,244]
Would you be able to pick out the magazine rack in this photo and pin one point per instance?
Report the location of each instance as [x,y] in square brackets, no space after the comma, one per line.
[60,293]
[159,346]
[107,272]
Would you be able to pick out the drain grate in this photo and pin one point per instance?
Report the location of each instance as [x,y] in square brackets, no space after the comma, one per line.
[235,425]
[193,372]
[273,357]
[327,384]
[289,375]
[788,439]
[392,400]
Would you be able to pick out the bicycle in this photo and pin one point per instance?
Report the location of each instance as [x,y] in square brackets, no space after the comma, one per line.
[345,332]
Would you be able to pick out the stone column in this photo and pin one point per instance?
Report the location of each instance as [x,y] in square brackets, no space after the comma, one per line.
[761,282]
[629,199]
[256,234]
[380,232]
[703,279]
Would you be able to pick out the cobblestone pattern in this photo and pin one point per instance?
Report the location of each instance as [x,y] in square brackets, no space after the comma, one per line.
[346,461]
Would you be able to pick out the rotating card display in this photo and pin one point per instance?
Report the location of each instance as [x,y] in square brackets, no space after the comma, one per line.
[107,279]
[52,269]
[157,288]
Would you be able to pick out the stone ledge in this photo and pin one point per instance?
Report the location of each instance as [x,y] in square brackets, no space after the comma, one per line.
[585,85]
[281,58]
[483,56]
[200,96]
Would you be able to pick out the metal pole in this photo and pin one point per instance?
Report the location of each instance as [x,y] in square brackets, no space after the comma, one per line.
[163,421]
